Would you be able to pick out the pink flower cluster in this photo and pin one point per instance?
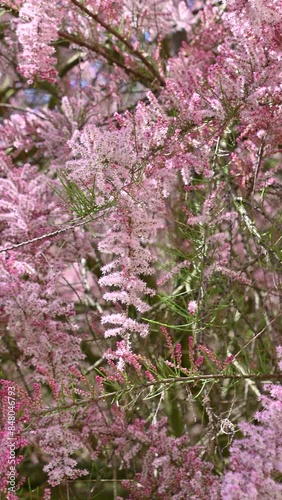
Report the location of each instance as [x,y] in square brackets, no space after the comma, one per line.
[38,27]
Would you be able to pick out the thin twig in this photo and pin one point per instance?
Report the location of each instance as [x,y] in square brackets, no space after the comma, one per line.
[106,54]
[48,235]
[254,338]
[260,155]
[25,110]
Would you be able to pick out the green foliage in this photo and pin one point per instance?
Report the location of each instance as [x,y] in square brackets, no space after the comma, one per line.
[81,201]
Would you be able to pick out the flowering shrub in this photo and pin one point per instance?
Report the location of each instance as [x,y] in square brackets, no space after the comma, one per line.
[140,282]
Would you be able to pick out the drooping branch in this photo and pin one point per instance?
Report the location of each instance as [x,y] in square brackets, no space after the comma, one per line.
[115,33]
[145,79]
[167,381]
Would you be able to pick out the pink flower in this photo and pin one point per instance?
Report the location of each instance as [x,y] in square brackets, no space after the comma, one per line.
[192,307]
